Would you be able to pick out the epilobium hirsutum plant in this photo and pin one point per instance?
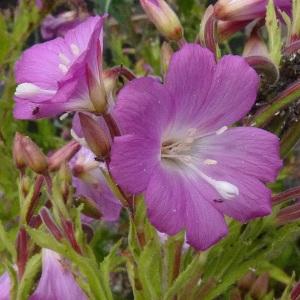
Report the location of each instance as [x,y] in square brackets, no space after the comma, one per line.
[192,154]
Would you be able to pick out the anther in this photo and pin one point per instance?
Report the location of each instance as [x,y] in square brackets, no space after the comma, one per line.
[221,130]
[75,49]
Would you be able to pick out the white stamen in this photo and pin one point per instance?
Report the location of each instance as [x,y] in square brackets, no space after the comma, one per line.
[64,59]
[221,130]
[191,131]
[75,49]
[28,90]
[210,162]
[63,68]
[63,116]
[226,190]
[187,159]
[81,141]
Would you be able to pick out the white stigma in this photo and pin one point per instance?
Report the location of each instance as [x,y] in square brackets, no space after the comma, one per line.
[28,90]
[221,130]
[226,190]
[75,49]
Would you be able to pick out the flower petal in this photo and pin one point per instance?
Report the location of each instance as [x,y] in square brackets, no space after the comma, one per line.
[189,78]
[253,201]
[133,160]
[239,150]
[233,91]
[144,107]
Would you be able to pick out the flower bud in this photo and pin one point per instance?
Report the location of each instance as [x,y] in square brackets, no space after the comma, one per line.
[257,56]
[63,155]
[95,136]
[164,18]
[33,156]
[18,157]
[239,10]
[245,283]
[110,79]
[97,92]
[260,287]
[166,54]
[288,214]
[90,208]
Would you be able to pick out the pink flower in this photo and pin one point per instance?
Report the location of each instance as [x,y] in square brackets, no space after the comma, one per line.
[178,149]
[62,74]
[56,282]
[61,24]
[5,286]
[90,182]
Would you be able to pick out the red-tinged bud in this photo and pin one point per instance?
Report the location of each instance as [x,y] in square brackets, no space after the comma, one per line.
[257,56]
[260,287]
[206,16]
[255,46]
[47,219]
[235,295]
[288,214]
[65,179]
[63,155]
[239,10]
[164,18]
[295,293]
[97,92]
[110,80]
[225,29]
[95,136]
[18,157]
[88,231]
[90,208]
[166,54]
[246,282]
[33,156]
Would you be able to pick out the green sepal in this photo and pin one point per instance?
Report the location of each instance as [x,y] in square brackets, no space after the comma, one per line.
[150,268]
[33,267]
[113,187]
[7,242]
[275,43]
[13,280]
[25,203]
[109,264]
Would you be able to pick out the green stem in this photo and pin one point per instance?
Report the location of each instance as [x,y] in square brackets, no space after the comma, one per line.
[286,196]
[267,113]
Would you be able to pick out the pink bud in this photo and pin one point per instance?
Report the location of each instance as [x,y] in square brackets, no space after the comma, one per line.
[33,156]
[164,18]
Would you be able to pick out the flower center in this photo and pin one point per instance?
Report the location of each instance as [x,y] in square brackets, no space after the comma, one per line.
[186,151]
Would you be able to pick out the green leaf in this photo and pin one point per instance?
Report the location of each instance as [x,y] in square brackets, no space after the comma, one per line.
[150,268]
[275,43]
[33,267]
[107,266]
[6,241]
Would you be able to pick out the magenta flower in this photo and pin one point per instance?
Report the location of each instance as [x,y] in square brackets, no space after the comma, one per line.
[90,182]
[62,74]
[5,286]
[178,149]
[56,282]
[58,26]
